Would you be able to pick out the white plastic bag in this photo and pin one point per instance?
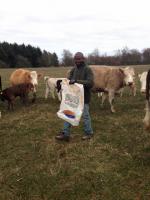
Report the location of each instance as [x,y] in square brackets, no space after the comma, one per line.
[72,104]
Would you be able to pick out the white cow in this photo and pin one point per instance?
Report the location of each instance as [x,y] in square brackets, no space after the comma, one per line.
[110,80]
[132,86]
[52,85]
[142,78]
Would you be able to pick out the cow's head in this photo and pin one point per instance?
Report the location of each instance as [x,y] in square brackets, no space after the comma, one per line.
[34,78]
[46,78]
[29,87]
[129,75]
[142,78]
[58,85]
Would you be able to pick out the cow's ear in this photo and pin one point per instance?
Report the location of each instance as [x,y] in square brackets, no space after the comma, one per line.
[29,76]
[40,75]
[121,70]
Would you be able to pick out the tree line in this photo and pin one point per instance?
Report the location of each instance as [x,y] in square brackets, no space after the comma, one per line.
[15,56]
[125,56]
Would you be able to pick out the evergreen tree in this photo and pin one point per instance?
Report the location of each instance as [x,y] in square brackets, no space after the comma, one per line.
[55,61]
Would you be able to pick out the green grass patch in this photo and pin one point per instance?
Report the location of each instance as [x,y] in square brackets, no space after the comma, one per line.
[114,165]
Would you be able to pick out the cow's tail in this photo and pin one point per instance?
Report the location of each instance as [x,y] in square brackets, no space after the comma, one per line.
[146,119]
[46,78]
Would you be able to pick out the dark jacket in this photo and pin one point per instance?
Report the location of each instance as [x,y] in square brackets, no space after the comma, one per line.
[83,75]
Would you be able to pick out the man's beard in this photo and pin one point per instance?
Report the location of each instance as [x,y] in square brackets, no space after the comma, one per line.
[80,64]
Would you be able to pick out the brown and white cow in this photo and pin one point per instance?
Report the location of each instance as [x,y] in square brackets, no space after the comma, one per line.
[146,119]
[20,76]
[110,80]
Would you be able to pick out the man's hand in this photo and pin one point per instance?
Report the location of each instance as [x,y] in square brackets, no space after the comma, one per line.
[72,81]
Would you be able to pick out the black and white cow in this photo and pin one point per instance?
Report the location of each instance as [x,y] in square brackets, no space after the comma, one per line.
[53,86]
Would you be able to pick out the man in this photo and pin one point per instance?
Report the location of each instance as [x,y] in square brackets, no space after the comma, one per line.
[80,74]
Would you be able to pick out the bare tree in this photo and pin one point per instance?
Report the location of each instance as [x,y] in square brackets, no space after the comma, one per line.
[146,56]
[67,58]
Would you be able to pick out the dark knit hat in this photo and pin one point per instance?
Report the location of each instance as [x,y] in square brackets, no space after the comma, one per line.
[79,54]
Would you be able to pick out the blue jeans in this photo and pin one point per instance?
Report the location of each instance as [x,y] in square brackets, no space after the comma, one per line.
[87,123]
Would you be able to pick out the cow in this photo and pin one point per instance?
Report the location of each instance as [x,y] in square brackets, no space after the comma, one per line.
[53,86]
[25,76]
[142,78]
[146,119]
[22,90]
[110,80]
[132,86]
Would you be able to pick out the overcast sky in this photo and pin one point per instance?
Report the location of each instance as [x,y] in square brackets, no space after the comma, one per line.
[76,25]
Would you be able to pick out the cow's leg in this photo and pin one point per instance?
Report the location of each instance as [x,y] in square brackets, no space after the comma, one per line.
[111,100]
[99,94]
[146,119]
[12,106]
[47,90]
[59,96]
[52,91]
[25,99]
[10,103]
[34,94]
[34,97]
[22,98]
[8,107]
[121,92]
[133,89]
[104,96]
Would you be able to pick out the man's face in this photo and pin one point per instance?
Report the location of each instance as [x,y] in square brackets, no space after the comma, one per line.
[79,60]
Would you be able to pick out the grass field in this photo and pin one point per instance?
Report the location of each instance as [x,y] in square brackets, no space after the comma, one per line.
[114,165]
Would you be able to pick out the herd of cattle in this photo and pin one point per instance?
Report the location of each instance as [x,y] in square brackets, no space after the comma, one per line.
[108,81]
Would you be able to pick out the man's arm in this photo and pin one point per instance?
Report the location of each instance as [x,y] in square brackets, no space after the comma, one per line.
[89,81]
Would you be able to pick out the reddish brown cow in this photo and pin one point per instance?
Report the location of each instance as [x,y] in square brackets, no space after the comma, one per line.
[25,76]
[21,90]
